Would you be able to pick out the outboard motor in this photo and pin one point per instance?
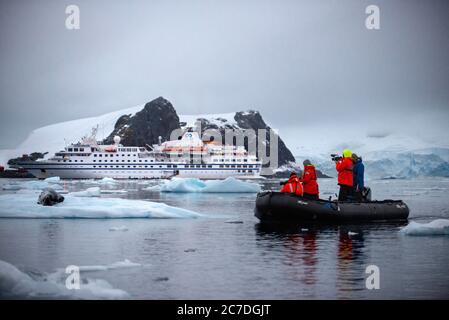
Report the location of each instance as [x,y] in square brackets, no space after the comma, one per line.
[49,197]
[366,194]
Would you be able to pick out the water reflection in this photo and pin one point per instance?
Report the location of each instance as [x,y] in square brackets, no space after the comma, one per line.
[341,251]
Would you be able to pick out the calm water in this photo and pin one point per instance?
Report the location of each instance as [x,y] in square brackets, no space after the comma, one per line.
[227,254]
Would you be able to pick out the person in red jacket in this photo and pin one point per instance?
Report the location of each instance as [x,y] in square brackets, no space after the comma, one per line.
[309,181]
[293,185]
[345,176]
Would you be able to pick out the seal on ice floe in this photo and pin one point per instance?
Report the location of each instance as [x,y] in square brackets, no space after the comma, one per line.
[49,197]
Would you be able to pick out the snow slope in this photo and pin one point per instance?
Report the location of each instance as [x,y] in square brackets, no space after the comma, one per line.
[54,137]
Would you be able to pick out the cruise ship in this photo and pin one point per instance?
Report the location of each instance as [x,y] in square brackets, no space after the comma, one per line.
[186,157]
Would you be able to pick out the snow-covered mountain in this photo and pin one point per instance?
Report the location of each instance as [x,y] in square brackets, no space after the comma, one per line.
[139,125]
[385,154]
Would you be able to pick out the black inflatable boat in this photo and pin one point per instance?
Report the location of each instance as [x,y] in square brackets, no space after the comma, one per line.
[277,206]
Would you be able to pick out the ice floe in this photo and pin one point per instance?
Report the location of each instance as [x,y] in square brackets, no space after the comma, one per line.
[435,227]
[120,228]
[228,185]
[116,265]
[90,192]
[17,284]
[31,185]
[24,205]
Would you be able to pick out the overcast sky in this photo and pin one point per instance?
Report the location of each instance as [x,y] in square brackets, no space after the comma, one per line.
[298,62]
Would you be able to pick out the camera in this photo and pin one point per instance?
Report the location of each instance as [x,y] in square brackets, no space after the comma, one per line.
[336,157]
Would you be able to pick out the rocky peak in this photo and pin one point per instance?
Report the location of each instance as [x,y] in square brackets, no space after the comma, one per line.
[157,118]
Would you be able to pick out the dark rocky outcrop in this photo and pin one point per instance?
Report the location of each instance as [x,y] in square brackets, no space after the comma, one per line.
[31,157]
[157,118]
[244,121]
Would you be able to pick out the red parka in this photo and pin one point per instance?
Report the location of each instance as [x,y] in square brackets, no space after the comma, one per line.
[344,169]
[308,180]
[293,185]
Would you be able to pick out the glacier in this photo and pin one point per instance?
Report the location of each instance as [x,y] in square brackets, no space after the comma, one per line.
[228,185]
[24,205]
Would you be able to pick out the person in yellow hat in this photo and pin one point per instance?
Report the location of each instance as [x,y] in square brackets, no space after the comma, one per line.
[344,168]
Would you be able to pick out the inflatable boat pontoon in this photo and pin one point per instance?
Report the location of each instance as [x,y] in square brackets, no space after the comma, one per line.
[276,206]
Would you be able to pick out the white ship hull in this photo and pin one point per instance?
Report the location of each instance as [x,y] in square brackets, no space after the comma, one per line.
[46,170]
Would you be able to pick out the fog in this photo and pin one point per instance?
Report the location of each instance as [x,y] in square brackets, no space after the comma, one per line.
[300,63]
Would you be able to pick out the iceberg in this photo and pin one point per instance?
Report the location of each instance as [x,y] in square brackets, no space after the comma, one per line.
[53,179]
[24,205]
[17,284]
[90,192]
[228,185]
[435,227]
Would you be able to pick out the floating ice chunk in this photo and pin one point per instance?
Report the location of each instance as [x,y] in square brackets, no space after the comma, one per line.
[17,284]
[229,185]
[24,205]
[153,188]
[107,180]
[121,228]
[11,187]
[350,233]
[116,265]
[53,179]
[31,185]
[435,227]
[90,192]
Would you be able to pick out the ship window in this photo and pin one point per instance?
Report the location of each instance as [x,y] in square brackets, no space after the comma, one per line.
[221,166]
[209,166]
[233,166]
[100,155]
[95,155]
[140,160]
[238,166]
[134,160]
[146,166]
[233,160]
[250,166]
[227,166]
[160,166]
[123,155]
[198,166]
[69,149]
[81,160]
[129,155]
[168,166]
[244,166]
[151,166]
[129,166]
[75,149]
[250,170]
[95,166]
[151,160]
[146,160]
[129,160]
[134,166]
[123,160]
[175,166]
[81,149]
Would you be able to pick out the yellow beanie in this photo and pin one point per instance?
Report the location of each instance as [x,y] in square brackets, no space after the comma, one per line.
[347,153]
